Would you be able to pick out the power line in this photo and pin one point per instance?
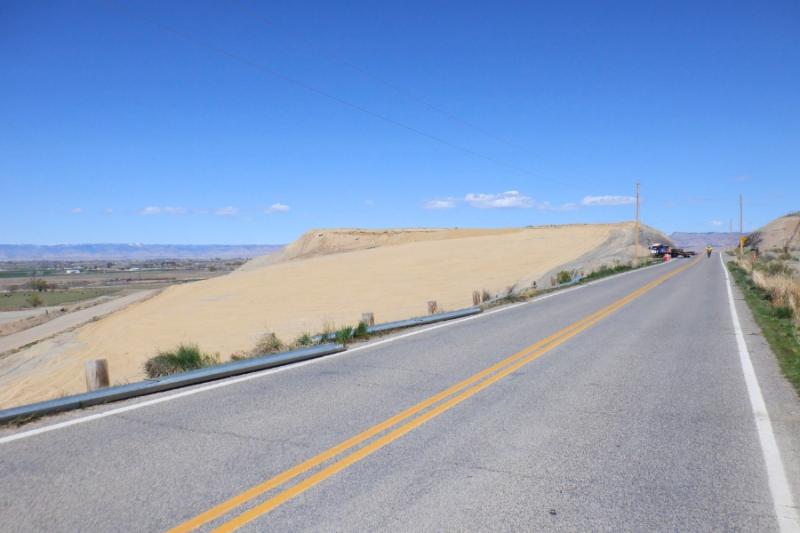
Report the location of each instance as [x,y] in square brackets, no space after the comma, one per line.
[312,89]
[336,58]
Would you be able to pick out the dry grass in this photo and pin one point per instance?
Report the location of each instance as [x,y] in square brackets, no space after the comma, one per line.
[777,279]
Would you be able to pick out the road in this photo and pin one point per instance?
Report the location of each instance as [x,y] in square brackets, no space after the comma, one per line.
[68,321]
[623,407]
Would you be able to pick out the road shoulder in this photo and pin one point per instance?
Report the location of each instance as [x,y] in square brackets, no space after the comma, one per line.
[782,401]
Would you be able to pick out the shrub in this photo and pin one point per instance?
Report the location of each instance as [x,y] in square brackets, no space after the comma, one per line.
[783,312]
[39,285]
[343,335]
[184,357]
[361,330]
[34,300]
[485,295]
[776,268]
[304,340]
[267,344]
[563,277]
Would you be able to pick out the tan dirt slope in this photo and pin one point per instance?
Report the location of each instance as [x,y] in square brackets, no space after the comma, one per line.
[325,277]
[782,234]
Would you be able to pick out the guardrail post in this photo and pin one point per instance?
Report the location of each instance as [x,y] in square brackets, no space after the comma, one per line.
[476,298]
[368,318]
[96,374]
[432,307]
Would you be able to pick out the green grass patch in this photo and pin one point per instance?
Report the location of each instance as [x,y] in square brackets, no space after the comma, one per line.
[184,357]
[617,268]
[24,299]
[563,277]
[605,270]
[775,323]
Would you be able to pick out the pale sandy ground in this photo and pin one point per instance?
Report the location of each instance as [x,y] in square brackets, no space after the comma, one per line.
[392,273]
[70,320]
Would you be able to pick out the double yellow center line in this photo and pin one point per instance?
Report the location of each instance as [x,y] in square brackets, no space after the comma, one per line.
[449,398]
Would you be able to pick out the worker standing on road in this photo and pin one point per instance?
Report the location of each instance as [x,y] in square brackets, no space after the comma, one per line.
[708,250]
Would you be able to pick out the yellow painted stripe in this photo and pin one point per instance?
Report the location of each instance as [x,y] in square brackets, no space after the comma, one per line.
[509,365]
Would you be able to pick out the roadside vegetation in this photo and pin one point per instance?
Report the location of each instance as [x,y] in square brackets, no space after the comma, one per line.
[184,357]
[189,357]
[771,289]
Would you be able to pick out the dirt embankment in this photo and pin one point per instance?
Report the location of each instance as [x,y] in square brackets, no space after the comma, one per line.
[780,235]
[327,277]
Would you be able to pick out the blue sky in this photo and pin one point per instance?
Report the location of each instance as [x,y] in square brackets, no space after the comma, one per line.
[233,121]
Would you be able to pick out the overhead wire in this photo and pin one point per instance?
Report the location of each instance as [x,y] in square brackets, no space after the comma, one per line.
[199,42]
[336,58]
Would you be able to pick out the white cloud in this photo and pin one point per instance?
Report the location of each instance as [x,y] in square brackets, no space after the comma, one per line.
[503,200]
[446,203]
[76,210]
[716,223]
[607,200]
[228,211]
[165,210]
[545,206]
[108,211]
[741,179]
[277,208]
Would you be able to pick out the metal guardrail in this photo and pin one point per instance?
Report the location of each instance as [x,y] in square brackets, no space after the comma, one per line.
[573,281]
[410,322]
[174,381]
[430,319]
[184,379]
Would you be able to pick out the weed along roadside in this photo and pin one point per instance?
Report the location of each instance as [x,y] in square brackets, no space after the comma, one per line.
[776,320]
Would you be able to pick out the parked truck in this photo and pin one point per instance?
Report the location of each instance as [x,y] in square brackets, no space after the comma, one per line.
[660,250]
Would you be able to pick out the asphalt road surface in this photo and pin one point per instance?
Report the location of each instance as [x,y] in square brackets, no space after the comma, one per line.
[624,405]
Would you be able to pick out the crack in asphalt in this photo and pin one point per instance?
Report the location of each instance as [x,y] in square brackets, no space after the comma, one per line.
[233,434]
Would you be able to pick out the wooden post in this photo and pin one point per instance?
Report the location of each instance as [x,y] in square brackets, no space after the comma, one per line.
[96,374]
[368,318]
[432,307]
[476,298]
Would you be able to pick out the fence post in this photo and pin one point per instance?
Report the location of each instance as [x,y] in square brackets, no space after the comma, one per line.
[432,307]
[96,374]
[368,318]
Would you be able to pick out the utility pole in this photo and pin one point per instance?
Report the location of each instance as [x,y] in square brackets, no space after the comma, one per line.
[636,252]
[741,226]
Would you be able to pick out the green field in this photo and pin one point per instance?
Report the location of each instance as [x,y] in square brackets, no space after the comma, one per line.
[20,300]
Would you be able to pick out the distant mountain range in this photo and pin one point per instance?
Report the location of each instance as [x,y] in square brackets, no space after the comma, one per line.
[700,240]
[89,252]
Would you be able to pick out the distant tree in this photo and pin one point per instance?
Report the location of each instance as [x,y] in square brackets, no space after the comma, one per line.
[39,285]
[34,300]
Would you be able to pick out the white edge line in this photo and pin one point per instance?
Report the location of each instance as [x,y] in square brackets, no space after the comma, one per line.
[785,511]
[233,381]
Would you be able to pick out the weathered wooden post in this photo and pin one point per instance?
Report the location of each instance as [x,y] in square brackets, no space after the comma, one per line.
[432,307]
[476,298]
[96,374]
[368,318]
